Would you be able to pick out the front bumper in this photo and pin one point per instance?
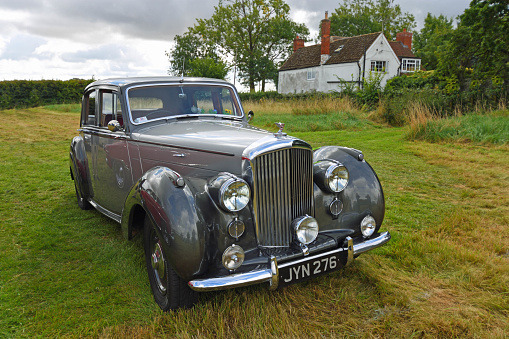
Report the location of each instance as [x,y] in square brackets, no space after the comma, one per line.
[271,275]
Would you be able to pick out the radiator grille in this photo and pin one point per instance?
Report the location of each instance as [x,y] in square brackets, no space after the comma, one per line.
[283,190]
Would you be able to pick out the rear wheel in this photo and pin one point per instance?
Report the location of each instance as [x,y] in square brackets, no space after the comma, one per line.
[170,291]
[82,203]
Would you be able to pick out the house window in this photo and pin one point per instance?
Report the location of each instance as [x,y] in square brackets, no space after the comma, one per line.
[411,65]
[311,74]
[378,66]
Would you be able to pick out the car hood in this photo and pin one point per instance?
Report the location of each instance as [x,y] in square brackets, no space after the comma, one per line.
[205,144]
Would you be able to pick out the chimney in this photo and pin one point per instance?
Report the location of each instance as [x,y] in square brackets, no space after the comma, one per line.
[325,38]
[297,43]
[405,37]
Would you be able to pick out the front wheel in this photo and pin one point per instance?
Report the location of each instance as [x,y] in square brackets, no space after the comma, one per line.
[170,291]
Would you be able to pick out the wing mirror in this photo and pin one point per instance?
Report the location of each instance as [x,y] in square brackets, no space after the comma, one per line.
[250,115]
[114,125]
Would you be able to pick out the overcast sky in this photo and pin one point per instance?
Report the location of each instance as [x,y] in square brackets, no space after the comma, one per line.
[64,39]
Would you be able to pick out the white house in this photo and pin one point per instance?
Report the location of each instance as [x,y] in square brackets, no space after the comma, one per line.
[318,67]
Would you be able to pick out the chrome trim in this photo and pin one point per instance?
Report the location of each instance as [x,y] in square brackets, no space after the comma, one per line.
[271,274]
[369,244]
[106,212]
[350,249]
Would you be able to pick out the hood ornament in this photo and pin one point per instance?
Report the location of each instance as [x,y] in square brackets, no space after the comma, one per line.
[280,133]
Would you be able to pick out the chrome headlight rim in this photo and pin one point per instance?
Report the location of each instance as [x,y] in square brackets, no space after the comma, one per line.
[334,183]
[368,226]
[239,204]
[305,229]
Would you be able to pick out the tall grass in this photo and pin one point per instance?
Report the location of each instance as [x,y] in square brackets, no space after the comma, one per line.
[479,128]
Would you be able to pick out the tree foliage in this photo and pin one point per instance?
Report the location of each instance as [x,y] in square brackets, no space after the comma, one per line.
[194,56]
[478,48]
[253,35]
[431,40]
[357,17]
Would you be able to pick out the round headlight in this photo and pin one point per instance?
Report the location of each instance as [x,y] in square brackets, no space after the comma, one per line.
[336,177]
[234,194]
[306,229]
[368,226]
[233,257]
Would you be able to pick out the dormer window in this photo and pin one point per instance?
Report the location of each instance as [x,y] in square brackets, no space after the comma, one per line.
[410,65]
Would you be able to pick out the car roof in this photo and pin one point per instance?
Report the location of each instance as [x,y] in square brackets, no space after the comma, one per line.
[127,82]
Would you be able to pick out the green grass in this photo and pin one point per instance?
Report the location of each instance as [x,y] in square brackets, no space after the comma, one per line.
[68,272]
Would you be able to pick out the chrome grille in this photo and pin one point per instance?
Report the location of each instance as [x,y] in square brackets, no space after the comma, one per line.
[283,191]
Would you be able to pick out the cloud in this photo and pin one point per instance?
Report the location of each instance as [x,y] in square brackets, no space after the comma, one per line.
[104,52]
[23,47]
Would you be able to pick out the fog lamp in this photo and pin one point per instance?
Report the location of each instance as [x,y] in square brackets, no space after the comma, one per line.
[233,257]
[368,226]
[306,229]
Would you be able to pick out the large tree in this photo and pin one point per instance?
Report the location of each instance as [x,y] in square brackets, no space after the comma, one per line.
[432,38]
[479,47]
[253,35]
[357,17]
[193,56]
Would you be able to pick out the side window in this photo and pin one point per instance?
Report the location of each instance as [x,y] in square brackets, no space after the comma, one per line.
[90,108]
[110,108]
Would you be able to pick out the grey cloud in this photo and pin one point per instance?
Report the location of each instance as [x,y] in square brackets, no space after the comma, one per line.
[112,52]
[22,47]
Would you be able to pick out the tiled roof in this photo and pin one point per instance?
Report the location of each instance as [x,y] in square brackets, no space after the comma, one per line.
[351,51]
[401,50]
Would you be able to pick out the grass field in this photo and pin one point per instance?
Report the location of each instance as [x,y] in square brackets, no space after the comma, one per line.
[445,273]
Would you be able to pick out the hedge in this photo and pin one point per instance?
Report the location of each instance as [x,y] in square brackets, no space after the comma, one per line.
[29,93]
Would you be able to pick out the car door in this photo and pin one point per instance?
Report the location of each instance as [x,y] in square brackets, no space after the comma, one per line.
[109,162]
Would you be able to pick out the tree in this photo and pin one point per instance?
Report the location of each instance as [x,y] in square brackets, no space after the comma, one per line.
[357,17]
[479,46]
[254,35]
[432,38]
[192,56]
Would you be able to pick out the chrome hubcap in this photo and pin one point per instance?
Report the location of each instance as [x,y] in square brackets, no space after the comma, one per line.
[159,267]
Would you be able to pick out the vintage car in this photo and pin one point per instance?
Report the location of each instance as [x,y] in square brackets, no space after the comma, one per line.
[220,204]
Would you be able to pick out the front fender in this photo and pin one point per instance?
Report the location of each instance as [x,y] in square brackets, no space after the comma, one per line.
[79,166]
[171,206]
[363,194]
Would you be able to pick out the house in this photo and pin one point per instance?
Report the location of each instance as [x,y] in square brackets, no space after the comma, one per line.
[320,67]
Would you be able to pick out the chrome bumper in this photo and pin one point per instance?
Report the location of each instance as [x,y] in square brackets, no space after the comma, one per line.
[271,275]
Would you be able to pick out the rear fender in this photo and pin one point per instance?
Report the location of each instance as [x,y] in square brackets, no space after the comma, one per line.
[171,205]
[79,166]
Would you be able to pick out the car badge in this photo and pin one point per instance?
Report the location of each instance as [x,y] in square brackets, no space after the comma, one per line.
[280,133]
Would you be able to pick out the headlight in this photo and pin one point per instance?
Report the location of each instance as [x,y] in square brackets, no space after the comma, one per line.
[336,177]
[234,194]
[368,226]
[233,257]
[306,229]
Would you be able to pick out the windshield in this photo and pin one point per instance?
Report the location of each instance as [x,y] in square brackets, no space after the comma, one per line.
[165,101]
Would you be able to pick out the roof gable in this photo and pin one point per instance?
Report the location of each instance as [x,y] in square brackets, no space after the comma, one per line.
[342,50]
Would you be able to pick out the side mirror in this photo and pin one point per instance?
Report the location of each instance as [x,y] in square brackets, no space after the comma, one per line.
[114,125]
[250,115]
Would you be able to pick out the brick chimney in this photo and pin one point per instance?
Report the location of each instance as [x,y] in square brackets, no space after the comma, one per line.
[405,37]
[297,43]
[325,38]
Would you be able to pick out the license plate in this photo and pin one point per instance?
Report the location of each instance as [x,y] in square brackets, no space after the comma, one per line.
[309,268]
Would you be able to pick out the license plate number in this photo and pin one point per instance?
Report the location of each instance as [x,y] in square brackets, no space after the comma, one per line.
[308,269]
